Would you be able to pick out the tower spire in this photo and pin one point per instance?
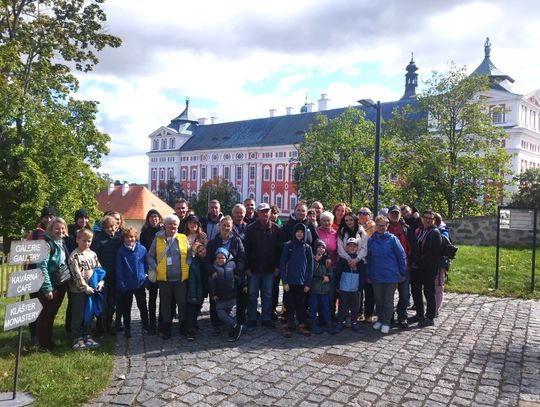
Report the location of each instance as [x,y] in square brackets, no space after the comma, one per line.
[411,80]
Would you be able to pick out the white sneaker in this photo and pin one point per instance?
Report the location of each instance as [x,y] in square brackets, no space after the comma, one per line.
[377,325]
[385,329]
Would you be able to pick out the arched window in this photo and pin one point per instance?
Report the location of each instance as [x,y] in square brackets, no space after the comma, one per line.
[279,173]
[164,144]
[279,201]
[266,198]
[172,143]
[155,145]
[292,201]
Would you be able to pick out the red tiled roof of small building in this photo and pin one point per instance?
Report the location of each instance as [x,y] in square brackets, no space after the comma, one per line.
[135,204]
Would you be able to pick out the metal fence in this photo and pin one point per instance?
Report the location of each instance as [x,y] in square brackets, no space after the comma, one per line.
[5,269]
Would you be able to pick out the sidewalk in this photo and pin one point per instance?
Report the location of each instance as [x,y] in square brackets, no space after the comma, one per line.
[483,351]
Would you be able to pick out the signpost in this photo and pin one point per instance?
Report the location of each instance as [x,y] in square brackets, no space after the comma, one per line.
[517,219]
[23,312]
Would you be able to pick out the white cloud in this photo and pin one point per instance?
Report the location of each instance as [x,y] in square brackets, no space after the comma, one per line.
[242,58]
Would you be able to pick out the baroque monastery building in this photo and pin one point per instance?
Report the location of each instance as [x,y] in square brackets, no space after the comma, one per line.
[258,155]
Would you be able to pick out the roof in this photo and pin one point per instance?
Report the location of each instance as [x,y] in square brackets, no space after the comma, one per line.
[134,205]
[271,131]
[184,120]
[496,77]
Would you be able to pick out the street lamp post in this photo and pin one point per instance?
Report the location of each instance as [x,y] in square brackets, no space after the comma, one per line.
[377,158]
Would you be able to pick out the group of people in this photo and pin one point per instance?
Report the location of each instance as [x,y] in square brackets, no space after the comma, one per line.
[337,269]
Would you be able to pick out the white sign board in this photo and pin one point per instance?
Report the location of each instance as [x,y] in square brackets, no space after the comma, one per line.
[22,313]
[24,282]
[28,251]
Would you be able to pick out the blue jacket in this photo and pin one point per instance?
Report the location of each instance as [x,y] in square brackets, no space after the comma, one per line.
[227,281]
[385,259]
[131,267]
[296,262]
[94,303]
[350,280]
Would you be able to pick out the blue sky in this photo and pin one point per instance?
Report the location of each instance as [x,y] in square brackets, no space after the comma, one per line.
[238,59]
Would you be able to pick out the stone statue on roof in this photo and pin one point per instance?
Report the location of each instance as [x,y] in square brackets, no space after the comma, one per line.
[487,48]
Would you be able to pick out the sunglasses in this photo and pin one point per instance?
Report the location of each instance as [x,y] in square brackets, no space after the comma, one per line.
[363,213]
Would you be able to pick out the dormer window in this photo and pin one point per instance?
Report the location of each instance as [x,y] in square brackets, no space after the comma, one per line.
[172,143]
[155,145]
[164,144]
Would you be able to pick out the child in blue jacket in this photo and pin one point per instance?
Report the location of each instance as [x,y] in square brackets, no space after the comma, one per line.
[131,271]
[296,270]
[350,282]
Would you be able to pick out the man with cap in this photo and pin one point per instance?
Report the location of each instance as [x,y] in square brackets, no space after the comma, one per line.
[405,235]
[262,250]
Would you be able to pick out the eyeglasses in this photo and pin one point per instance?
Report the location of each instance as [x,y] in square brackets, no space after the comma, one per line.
[428,217]
[363,213]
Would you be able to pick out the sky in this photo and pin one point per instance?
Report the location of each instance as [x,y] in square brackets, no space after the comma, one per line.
[237,59]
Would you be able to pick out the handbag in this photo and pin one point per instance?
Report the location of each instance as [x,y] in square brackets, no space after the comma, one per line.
[63,276]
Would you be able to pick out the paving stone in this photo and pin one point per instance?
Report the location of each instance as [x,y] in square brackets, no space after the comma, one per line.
[483,351]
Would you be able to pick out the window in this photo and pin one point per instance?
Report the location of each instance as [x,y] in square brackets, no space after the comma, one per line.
[266,173]
[239,173]
[293,201]
[497,114]
[280,154]
[252,172]
[184,174]
[226,174]
[155,145]
[172,143]
[524,115]
[154,173]
[279,201]
[533,119]
[162,174]
[266,198]
[214,172]
[164,144]
[203,173]
[194,174]
[295,153]
[279,174]
[170,174]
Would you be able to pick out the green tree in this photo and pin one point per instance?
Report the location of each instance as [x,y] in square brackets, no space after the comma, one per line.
[170,191]
[449,155]
[529,189]
[215,188]
[49,144]
[335,160]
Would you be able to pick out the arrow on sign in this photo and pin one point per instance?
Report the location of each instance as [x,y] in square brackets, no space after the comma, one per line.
[28,251]
[22,313]
[24,282]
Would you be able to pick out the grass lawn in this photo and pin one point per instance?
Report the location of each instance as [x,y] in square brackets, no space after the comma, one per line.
[62,378]
[473,271]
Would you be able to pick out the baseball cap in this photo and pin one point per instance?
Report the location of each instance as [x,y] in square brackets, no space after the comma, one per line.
[263,207]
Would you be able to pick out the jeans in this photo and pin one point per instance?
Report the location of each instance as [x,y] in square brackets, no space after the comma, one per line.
[320,303]
[260,283]
[403,302]
[384,301]
[224,310]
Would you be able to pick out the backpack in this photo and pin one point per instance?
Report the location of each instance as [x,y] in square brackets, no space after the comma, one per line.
[448,249]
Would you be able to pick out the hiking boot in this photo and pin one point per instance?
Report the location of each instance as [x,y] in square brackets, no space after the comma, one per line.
[403,324]
[302,330]
[415,318]
[285,332]
[427,322]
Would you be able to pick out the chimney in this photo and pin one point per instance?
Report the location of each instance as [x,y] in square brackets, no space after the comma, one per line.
[111,188]
[213,119]
[125,188]
[202,120]
[323,102]
[288,110]
[273,112]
